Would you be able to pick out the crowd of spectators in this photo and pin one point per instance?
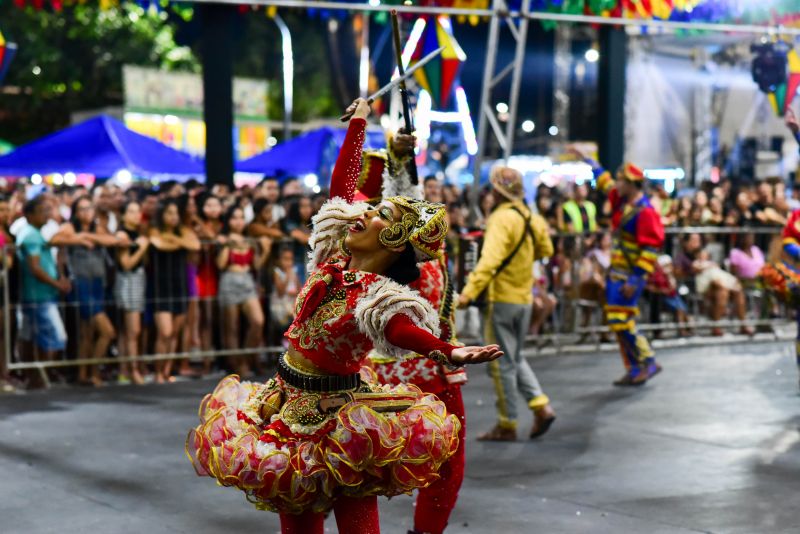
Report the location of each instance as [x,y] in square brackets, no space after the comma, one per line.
[719,235]
[179,268]
[185,268]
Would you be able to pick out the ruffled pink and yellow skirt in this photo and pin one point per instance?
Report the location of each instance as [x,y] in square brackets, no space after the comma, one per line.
[300,461]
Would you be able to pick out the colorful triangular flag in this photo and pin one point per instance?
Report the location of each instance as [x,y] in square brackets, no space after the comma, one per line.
[439,76]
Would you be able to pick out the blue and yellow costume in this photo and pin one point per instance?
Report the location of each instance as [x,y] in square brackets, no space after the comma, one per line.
[638,237]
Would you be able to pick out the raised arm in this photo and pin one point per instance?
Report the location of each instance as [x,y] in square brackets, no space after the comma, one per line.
[330,224]
[348,164]
[603,179]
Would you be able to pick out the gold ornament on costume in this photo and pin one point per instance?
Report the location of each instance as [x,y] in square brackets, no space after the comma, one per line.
[399,232]
[343,247]
[264,403]
[303,410]
[423,224]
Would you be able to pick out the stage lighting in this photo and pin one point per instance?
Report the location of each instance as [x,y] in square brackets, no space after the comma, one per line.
[769,65]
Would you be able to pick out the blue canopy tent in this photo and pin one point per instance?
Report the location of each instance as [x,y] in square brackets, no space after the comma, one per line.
[314,152]
[101,146]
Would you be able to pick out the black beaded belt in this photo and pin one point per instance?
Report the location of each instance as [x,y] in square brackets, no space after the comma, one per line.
[295,378]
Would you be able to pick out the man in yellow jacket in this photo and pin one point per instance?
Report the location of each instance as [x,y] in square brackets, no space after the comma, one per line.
[514,237]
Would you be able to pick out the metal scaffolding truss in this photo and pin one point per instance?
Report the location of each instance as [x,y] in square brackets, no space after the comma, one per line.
[492,78]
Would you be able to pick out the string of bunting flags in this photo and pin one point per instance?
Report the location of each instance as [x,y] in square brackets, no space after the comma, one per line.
[715,11]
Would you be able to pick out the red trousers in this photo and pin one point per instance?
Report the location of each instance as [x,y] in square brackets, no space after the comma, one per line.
[356,516]
[435,502]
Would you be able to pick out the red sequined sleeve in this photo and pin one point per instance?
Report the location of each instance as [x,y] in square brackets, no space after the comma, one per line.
[348,165]
[402,332]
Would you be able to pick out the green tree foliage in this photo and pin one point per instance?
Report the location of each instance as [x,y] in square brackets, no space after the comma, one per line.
[72,60]
[259,55]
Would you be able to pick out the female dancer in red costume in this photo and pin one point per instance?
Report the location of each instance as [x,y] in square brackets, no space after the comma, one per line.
[385,175]
[316,437]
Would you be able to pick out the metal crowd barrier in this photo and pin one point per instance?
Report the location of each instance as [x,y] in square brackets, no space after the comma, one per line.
[563,333]
[69,310]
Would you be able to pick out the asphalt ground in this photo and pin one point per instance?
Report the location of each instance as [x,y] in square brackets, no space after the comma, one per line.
[710,445]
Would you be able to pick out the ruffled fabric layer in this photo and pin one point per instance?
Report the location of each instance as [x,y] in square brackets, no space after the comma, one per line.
[783,280]
[359,452]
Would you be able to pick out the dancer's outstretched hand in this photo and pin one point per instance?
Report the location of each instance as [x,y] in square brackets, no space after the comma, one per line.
[468,355]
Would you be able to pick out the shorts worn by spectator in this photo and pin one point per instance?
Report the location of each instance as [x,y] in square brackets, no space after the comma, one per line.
[43,326]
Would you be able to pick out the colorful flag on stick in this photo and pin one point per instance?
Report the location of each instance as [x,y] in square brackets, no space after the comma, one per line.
[440,75]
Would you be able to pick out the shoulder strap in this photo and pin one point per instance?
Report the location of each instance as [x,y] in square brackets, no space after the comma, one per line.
[525,233]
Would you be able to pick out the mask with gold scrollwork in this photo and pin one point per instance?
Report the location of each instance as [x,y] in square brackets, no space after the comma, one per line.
[423,225]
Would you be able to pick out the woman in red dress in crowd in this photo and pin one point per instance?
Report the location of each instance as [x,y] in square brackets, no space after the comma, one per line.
[318,437]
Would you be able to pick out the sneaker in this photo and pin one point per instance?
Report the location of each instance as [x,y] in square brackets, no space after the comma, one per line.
[653,369]
[542,421]
[630,379]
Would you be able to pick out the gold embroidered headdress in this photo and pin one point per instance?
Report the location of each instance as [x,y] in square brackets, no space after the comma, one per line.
[423,224]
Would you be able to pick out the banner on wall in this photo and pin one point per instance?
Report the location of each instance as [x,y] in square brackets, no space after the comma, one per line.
[168,106]
[151,90]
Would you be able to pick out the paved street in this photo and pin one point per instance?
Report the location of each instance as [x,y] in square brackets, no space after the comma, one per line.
[712,445]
